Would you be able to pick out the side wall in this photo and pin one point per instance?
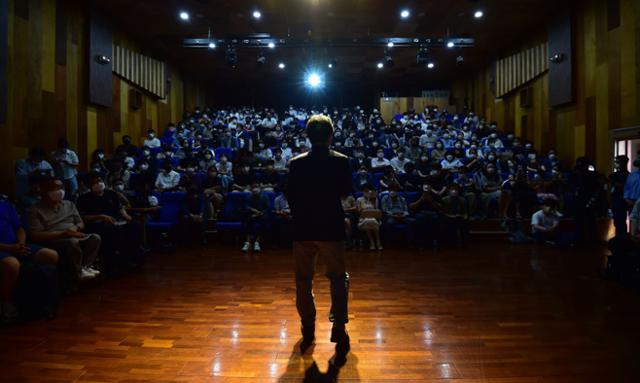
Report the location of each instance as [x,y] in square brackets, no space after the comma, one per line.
[47,88]
[607,87]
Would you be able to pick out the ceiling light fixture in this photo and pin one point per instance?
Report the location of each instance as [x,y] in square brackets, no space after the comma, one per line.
[212,45]
[405,13]
[478,14]
[271,45]
[184,16]
[390,44]
[431,65]
[281,66]
[257,14]
[380,65]
[451,44]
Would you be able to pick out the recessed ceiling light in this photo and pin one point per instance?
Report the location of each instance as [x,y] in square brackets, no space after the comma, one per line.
[212,45]
[281,66]
[479,14]
[184,16]
[380,65]
[405,13]
[257,14]
[431,65]
[390,44]
[451,44]
[271,45]
[330,65]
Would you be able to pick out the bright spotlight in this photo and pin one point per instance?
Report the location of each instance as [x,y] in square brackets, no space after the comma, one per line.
[451,44]
[212,45]
[281,66]
[431,65]
[330,65]
[479,14]
[271,45]
[380,65]
[405,13]
[314,80]
[257,14]
[184,16]
[390,44]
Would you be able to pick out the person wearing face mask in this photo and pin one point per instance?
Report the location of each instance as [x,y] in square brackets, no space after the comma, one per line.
[264,153]
[286,151]
[167,179]
[152,141]
[455,214]
[104,214]
[379,162]
[214,198]
[399,161]
[279,163]
[36,162]
[426,212]
[439,152]
[370,217]
[207,160]
[545,223]
[269,178]
[118,171]
[450,163]
[225,171]
[130,149]
[120,189]
[56,223]
[362,178]
[396,211]
[359,160]
[66,161]
[255,218]
[489,185]
[436,180]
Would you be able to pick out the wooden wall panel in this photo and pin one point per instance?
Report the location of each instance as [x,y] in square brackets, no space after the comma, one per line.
[4,53]
[561,72]
[47,88]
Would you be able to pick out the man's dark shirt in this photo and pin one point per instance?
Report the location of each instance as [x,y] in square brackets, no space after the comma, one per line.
[92,204]
[317,180]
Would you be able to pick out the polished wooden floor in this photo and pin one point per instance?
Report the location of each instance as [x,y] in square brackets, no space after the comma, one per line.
[487,313]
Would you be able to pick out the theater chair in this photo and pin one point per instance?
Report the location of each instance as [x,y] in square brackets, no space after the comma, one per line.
[162,226]
[231,218]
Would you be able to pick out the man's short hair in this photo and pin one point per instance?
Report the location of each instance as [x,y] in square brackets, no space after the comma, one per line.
[319,129]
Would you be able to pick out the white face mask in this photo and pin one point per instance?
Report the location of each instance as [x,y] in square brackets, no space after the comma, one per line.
[56,195]
[144,167]
[119,188]
[99,187]
[101,155]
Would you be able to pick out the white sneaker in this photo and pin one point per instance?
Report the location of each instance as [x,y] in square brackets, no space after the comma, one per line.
[85,275]
[92,270]
[256,246]
[246,246]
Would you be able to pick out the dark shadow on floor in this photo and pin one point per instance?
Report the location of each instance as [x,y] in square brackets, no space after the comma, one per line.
[312,374]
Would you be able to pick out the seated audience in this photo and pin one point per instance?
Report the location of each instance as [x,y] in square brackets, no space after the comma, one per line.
[255,218]
[56,223]
[14,252]
[168,179]
[370,217]
[103,214]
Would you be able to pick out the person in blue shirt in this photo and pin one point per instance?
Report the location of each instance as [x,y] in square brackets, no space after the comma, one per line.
[632,185]
[14,250]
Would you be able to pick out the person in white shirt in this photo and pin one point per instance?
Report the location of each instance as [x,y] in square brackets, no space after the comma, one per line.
[399,162]
[287,154]
[379,162]
[168,179]
[67,163]
[152,141]
[449,162]
[264,153]
[269,121]
[279,162]
[545,222]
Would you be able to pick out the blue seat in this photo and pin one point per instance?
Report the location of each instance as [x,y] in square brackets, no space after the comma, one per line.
[412,196]
[226,151]
[233,210]
[171,209]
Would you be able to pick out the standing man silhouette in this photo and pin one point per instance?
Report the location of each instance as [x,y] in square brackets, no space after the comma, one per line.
[317,180]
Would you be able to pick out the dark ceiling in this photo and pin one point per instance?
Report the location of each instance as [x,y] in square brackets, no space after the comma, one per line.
[156,25]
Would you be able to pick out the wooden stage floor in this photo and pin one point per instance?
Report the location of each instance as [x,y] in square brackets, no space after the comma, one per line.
[486,313]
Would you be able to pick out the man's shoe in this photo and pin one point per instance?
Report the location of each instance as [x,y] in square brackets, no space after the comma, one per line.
[93,271]
[245,247]
[340,337]
[256,246]
[85,275]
